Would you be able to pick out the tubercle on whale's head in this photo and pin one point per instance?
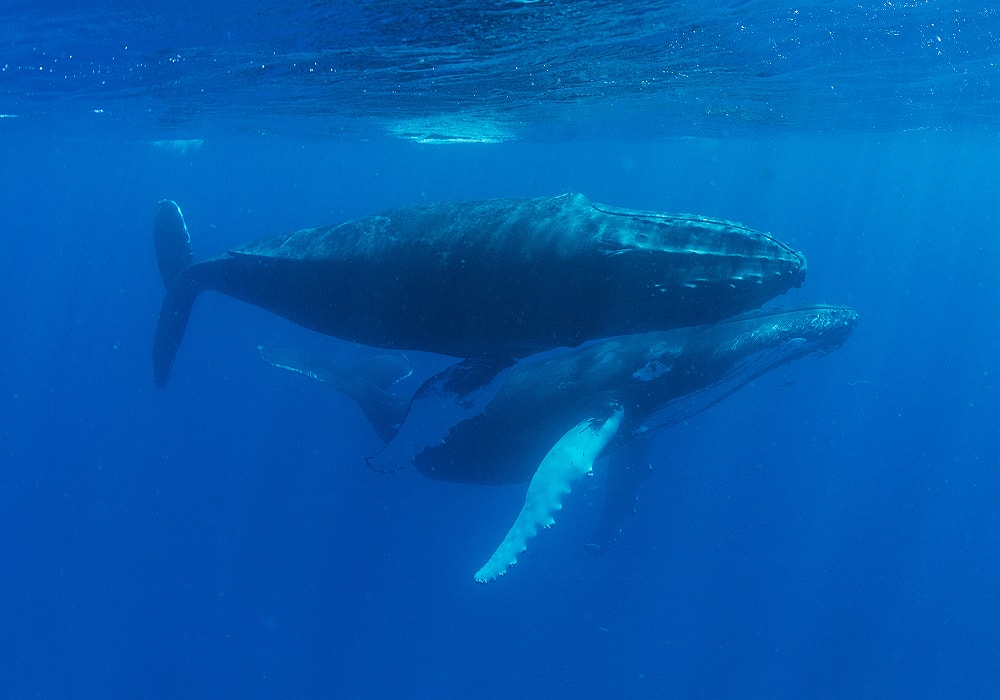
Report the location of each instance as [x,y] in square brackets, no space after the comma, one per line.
[777,259]
[703,253]
[832,325]
[800,275]
[800,330]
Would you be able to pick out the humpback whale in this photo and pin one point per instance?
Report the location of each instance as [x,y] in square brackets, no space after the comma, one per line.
[492,281]
[552,417]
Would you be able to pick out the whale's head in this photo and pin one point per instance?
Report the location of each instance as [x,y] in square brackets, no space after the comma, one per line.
[700,268]
[735,351]
[771,337]
[711,362]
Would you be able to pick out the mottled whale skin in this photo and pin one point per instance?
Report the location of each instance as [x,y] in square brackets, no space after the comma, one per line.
[658,378]
[495,279]
[605,399]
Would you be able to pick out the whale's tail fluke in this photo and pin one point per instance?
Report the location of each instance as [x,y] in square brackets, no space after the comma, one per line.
[367,383]
[174,254]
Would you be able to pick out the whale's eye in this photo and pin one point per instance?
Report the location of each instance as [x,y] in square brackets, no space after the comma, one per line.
[650,371]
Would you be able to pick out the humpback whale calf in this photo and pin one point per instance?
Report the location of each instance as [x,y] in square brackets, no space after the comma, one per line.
[492,281]
[552,417]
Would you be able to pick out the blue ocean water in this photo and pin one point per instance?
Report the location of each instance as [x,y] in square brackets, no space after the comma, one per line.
[829,531]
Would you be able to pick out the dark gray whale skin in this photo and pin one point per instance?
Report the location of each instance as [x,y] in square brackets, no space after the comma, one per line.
[658,379]
[498,279]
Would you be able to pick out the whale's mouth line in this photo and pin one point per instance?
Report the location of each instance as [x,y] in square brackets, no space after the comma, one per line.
[828,332]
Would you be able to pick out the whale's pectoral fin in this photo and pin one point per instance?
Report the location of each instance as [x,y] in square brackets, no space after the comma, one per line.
[446,399]
[570,459]
[627,471]
[365,383]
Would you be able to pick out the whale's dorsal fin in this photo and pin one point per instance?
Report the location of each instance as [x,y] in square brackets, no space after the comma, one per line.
[569,460]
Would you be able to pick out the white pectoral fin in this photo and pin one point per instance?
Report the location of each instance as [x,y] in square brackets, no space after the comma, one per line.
[569,460]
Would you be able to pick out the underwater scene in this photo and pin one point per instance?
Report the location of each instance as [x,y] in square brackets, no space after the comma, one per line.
[500,349]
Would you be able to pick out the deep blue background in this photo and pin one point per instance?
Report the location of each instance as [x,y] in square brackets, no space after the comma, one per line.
[829,531]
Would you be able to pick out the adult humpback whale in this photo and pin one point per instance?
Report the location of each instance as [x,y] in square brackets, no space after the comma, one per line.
[552,418]
[495,280]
